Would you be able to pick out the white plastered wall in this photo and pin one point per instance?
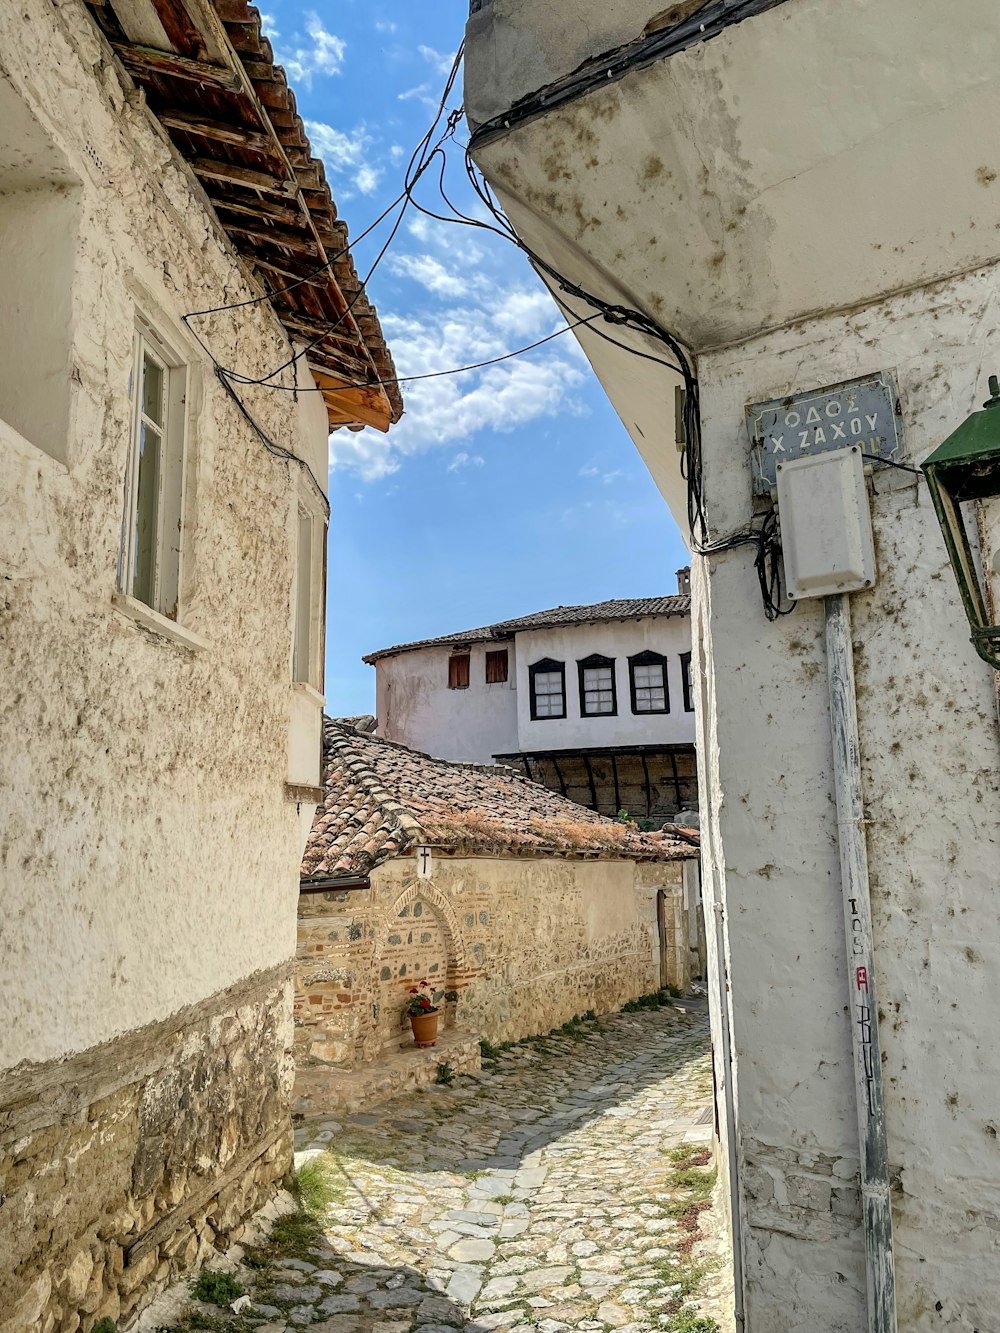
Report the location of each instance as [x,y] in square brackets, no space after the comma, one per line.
[416,708]
[148,856]
[669,635]
[931,755]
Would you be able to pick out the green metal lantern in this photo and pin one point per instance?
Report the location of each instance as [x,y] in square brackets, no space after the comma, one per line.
[967,467]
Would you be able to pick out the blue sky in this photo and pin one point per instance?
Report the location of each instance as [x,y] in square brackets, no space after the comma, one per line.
[501,491]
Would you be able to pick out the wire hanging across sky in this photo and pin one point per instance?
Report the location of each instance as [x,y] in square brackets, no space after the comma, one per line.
[760,533]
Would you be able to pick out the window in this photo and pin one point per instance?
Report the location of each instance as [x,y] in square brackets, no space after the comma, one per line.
[149,561]
[548,688]
[597,686]
[458,671]
[648,677]
[496,667]
[686,682]
[307,640]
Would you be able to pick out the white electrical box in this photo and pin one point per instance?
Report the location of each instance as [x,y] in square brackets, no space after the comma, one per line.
[826,524]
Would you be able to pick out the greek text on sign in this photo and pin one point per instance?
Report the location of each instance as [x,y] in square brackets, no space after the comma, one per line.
[864,412]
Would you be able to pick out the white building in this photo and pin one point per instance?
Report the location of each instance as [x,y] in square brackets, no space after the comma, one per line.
[162,548]
[595,702]
[791,194]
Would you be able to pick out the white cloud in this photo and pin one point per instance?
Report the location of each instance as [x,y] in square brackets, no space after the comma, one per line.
[385,25]
[464,459]
[590,471]
[323,54]
[430,273]
[441,64]
[422,93]
[452,410]
[345,154]
[397,152]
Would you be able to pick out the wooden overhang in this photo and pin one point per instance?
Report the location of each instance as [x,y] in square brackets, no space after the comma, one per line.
[209,77]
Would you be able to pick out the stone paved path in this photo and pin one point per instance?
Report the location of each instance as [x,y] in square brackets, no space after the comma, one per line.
[551,1192]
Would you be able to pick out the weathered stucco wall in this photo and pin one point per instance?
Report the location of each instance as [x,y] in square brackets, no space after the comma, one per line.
[929,746]
[148,856]
[138,775]
[526,944]
[416,708]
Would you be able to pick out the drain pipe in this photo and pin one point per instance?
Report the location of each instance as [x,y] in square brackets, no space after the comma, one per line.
[875,1199]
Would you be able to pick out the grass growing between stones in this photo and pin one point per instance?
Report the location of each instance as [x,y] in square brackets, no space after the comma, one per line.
[692,1185]
[215,1288]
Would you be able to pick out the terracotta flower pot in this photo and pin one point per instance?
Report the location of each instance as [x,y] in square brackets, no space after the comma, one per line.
[425,1028]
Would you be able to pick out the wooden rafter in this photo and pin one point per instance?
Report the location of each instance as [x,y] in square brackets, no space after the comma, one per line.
[191,122]
[143,60]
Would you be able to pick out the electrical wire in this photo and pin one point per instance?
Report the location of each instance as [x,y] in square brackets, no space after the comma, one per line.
[763,537]
[427,375]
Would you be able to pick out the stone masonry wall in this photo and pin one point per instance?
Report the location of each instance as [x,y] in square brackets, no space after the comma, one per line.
[122,1167]
[525,945]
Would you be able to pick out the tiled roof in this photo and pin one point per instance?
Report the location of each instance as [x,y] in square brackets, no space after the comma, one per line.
[381,800]
[619,609]
[208,73]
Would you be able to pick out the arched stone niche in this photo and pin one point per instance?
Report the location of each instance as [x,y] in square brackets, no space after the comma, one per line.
[418,938]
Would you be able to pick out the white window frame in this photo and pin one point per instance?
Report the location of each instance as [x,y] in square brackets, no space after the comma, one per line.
[308,594]
[170,476]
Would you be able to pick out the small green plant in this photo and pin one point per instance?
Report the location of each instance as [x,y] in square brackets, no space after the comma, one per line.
[445,1074]
[215,1288]
[295,1234]
[105,1325]
[487,1050]
[504,1198]
[686,1321]
[316,1185]
[622,817]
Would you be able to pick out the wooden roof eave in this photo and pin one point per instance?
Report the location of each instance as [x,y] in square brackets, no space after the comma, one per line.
[348,403]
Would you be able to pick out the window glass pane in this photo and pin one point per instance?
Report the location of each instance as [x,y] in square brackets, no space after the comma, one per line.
[597,678]
[152,388]
[548,692]
[146,515]
[650,700]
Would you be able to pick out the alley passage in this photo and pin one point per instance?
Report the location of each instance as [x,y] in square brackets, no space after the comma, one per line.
[563,1188]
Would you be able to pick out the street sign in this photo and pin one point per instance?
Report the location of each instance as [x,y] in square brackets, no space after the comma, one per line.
[864,412]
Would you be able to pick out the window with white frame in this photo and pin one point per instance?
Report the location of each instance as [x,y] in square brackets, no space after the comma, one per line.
[307,641]
[597,686]
[648,676]
[149,560]
[548,688]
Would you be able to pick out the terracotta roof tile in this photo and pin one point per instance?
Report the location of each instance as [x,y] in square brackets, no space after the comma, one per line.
[381,799]
[618,609]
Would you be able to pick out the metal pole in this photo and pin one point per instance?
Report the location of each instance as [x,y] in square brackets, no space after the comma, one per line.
[875,1200]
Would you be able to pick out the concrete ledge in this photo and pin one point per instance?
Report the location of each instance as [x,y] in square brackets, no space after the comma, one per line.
[322,1089]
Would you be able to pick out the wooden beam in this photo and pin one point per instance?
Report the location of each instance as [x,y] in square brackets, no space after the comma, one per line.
[288,273]
[368,405]
[211,169]
[216,130]
[144,61]
[184,35]
[559,775]
[590,780]
[300,243]
[614,774]
[255,207]
[649,793]
[677,781]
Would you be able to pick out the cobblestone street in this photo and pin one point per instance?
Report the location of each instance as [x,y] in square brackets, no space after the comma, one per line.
[565,1187]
